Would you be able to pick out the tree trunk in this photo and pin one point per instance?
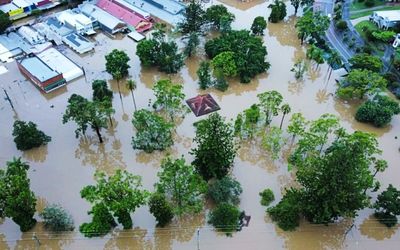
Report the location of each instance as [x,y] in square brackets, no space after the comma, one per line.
[98,134]
[330,73]
[133,98]
[283,117]
[295,10]
[109,117]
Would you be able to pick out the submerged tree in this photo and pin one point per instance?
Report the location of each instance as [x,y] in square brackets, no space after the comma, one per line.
[378,111]
[359,83]
[316,54]
[299,68]
[270,102]
[152,131]
[272,141]
[119,195]
[57,219]
[5,21]
[204,74]
[193,18]
[27,136]
[103,96]
[285,108]
[17,201]
[219,16]
[312,25]
[225,63]
[249,52]
[117,64]
[216,148]
[161,209]
[342,168]
[387,206]
[258,26]
[226,190]
[192,43]
[297,125]
[182,185]
[160,52]
[278,11]
[131,85]
[225,217]
[169,96]
[86,113]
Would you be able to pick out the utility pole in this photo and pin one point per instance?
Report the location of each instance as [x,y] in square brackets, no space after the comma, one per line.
[8,99]
[198,238]
[37,241]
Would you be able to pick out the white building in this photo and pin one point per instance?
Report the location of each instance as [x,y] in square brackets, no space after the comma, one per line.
[385,19]
[77,21]
[31,35]
[60,63]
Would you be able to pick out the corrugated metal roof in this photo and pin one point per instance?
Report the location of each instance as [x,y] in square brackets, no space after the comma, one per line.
[100,15]
[38,68]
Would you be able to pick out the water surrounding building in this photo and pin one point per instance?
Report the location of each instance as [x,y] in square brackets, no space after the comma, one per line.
[31,35]
[39,73]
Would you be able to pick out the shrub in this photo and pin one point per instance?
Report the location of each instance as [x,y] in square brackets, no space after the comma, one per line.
[225,190]
[27,136]
[387,206]
[341,25]
[57,219]
[267,196]
[378,111]
[161,209]
[225,217]
[368,49]
[287,212]
[102,222]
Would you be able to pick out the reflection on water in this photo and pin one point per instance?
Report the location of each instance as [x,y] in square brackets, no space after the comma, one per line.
[100,155]
[312,236]
[252,152]
[36,154]
[373,229]
[135,239]
[41,204]
[45,239]
[241,5]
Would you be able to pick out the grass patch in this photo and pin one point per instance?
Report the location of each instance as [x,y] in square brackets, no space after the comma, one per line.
[369,12]
[361,5]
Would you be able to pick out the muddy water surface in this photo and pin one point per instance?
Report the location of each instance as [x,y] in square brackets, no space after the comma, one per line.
[60,170]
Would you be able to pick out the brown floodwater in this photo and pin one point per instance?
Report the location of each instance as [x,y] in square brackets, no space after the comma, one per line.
[62,168]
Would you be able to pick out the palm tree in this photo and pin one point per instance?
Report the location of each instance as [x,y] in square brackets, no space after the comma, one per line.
[285,110]
[334,59]
[316,54]
[131,85]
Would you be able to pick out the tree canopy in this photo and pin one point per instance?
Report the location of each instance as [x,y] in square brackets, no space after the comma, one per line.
[117,64]
[161,209]
[5,21]
[170,97]
[329,160]
[119,195]
[225,217]
[204,74]
[258,26]
[159,52]
[17,201]
[182,185]
[249,52]
[216,15]
[378,111]
[387,206]
[278,11]
[193,18]
[27,136]
[226,190]
[366,61]
[152,131]
[216,148]
[358,83]
[86,113]
[312,25]
[101,92]
[225,63]
[57,219]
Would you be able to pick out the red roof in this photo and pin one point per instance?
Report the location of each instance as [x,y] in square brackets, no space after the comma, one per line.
[125,14]
[202,104]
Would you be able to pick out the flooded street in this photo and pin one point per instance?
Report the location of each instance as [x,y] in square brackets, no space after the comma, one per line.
[62,168]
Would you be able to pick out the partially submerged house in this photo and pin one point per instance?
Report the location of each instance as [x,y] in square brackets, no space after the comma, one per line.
[385,19]
[41,74]
[101,19]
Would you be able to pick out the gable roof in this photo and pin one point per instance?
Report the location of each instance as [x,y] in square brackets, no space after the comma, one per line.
[202,104]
